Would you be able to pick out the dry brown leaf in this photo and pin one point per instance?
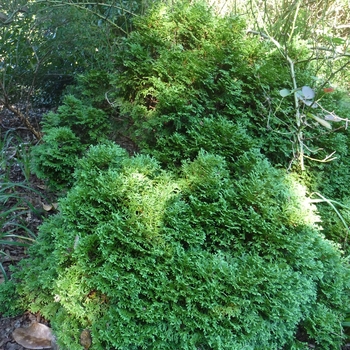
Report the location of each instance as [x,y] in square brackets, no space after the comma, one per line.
[47,207]
[85,339]
[36,336]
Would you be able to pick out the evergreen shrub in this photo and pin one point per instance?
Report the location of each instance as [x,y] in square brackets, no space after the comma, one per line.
[219,251]
[67,134]
[8,300]
[183,64]
[180,65]
[215,257]
[215,135]
[92,87]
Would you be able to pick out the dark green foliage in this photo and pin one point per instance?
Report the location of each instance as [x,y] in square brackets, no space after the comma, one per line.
[45,46]
[182,64]
[9,305]
[101,157]
[89,124]
[170,77]
[215,135]
[92,87]
[67,134]
[30,67]
[56,158]
[149,260]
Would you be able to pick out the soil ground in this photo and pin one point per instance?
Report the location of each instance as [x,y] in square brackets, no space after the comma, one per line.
[33,195]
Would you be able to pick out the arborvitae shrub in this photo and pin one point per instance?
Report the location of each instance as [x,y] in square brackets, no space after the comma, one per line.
[184,64]
[173,75]
[92,87]
[67,134]
[215,135]
[180,65]
[8,299]
[209,259]
[88,123]
[54,159]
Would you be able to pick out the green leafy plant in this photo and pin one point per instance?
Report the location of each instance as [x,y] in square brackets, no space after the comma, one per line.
[211,258]
[215,135]
[92,88]
[221,250]
[67,134]
[55,159]
[46,44]
[170,78]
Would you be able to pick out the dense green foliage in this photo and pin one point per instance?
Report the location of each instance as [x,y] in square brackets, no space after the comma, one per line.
[179,67]
[149,260]
[173,73]
[186,88]
[203,240]
[68,133]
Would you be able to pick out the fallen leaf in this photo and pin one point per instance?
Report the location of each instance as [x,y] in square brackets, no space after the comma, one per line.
[85,339]
[36,336]
[47,207]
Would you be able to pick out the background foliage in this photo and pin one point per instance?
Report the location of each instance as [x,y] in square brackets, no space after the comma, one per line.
[45,44]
